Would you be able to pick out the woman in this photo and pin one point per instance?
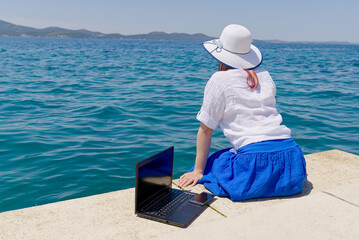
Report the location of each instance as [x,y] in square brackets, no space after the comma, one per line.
[264,161]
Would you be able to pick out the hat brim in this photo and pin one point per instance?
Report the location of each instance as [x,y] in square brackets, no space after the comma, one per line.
[250,60]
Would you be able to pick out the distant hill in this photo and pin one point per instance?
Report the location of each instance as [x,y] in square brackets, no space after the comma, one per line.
[11,30]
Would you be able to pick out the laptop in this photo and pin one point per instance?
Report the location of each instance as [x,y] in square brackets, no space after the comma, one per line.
[155,198]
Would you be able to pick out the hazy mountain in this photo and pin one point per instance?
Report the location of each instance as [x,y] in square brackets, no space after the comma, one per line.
[11,30]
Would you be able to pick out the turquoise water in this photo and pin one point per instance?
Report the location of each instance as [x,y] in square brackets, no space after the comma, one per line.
[76,115]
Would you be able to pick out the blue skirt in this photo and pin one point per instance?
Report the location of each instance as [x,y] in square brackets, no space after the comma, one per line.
[263,169]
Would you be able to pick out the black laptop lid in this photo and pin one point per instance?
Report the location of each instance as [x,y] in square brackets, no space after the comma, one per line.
[153,176]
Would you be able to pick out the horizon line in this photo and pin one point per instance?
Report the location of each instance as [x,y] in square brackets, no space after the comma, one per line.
[265,40]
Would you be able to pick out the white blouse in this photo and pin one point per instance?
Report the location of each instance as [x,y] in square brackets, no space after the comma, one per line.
[244,115]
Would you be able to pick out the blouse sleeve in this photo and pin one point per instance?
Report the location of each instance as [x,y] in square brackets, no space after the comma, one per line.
[213,105]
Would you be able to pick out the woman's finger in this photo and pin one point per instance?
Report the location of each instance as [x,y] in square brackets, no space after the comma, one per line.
[187,182]
[194,182]
[182,182]
[183,178]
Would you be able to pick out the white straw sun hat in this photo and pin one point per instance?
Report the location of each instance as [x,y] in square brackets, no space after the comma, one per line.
[234,48]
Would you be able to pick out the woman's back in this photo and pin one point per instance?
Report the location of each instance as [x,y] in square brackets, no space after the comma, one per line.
[247,115]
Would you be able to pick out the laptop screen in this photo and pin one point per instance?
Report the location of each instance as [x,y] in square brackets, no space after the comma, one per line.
[153,176]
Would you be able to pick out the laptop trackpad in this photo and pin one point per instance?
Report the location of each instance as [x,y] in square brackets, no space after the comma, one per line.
[185,213]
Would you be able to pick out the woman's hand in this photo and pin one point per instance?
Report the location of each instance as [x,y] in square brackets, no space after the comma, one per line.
[190,178]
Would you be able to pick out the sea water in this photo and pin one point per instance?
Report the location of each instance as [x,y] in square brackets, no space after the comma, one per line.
[77,114]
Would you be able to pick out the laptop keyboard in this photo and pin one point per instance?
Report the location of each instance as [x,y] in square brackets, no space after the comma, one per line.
[168,203]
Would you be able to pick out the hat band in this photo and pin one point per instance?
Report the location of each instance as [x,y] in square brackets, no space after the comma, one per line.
[219,47]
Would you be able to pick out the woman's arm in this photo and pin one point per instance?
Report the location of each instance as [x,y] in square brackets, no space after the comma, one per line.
[204,137]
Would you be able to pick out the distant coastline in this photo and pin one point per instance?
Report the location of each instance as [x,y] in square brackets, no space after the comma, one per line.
[8,29]
[12,30]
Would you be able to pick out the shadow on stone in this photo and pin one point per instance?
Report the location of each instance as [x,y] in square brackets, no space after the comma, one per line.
[307,188]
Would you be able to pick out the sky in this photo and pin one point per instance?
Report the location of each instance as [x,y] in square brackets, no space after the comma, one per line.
[300,20]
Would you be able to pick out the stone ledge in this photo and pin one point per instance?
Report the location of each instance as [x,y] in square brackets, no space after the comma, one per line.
[318,216]
[111,215]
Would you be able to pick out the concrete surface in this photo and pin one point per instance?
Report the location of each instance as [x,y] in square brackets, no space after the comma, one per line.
[318,216]
[326,209]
